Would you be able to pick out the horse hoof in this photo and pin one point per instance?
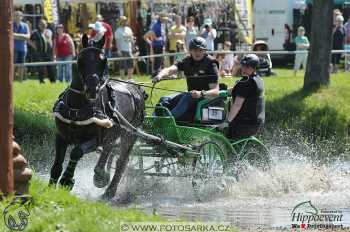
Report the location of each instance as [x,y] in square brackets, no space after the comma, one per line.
[67,183]
[101,179]
[52,183]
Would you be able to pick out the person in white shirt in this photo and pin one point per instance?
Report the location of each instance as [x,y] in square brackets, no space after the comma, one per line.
[124,39]
[191,32]
[209,34]
[230,64]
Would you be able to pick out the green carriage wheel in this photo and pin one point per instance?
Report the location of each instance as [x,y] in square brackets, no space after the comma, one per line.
[254,153]
[208,169]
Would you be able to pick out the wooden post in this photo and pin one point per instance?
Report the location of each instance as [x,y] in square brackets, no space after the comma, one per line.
[133,7]
[6,109]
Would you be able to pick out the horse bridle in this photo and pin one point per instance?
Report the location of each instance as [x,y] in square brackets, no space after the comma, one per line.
[82,79]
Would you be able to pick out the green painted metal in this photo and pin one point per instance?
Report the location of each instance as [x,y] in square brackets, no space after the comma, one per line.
[202,103]
[166,127]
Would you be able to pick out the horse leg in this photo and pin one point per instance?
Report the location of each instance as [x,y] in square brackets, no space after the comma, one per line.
[127,143]
[56,170]
[101,177]
[67,179]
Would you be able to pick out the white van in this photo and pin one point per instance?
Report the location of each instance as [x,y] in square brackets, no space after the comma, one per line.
[274,22]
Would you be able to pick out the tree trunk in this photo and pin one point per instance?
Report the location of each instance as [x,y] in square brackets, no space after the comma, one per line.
[317,70]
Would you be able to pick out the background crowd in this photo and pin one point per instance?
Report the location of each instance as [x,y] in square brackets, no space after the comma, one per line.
[165,34]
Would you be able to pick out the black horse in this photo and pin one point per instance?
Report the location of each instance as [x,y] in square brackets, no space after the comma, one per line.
[85,117]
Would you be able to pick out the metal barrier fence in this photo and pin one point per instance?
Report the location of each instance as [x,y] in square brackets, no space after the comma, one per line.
[113,59]
[144,63]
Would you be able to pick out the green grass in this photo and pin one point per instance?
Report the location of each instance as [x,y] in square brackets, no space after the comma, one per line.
[323,113]
[57,210]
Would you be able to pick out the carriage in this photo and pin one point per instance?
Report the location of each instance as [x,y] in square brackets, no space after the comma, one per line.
[98,114]
[199,151]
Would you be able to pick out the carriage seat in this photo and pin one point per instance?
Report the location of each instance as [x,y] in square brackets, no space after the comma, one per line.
[212,111]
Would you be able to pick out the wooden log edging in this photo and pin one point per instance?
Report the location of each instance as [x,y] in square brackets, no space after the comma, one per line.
[21,173]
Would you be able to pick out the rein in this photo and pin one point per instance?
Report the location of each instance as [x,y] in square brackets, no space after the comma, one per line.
[76,91]
[152,87]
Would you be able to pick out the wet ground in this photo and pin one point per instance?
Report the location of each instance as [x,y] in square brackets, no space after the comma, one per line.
[258,201]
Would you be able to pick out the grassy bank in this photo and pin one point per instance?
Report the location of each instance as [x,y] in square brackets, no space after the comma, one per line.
[57,210]
[319,115]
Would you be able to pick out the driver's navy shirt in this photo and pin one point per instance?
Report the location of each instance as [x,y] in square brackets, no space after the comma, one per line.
[199,74]
[253,108]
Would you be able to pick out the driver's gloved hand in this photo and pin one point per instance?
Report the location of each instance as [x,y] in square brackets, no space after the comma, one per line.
[156,79]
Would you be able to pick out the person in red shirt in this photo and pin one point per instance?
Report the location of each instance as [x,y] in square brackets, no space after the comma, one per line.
[64,51]
[108,35]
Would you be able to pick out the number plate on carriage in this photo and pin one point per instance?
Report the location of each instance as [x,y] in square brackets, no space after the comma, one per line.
[213,113]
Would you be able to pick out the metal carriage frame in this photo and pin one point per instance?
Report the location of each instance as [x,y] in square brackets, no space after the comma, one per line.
[198,151]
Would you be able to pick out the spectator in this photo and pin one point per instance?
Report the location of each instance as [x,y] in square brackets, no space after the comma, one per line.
[64,51]
[302,44]
[97,31]
[191,31]
[209,34]
[136,53]
[265,62]
[96,34]
[230,63]
[108,36]
[180,48]
[41,42]
[124,39]
[347,28]
[177,32]
[347,45]
[336,13]
[156,41]
[338,42]
[21,34]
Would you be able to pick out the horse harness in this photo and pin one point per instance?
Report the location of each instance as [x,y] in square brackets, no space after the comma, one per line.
[82,116]
[101,110]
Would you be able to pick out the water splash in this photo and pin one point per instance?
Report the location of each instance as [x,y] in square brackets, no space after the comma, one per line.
[258,197]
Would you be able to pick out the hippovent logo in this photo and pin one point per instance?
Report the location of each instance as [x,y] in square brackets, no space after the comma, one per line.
[306,216]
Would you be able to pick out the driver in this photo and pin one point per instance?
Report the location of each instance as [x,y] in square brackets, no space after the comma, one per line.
[201,73]
[247,111]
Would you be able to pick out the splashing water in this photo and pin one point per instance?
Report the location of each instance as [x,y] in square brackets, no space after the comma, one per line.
[259,198]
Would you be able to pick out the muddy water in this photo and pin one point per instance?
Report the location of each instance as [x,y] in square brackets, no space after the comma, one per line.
[262,200]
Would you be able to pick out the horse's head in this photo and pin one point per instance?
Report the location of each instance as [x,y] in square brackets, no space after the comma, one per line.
[91,67]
